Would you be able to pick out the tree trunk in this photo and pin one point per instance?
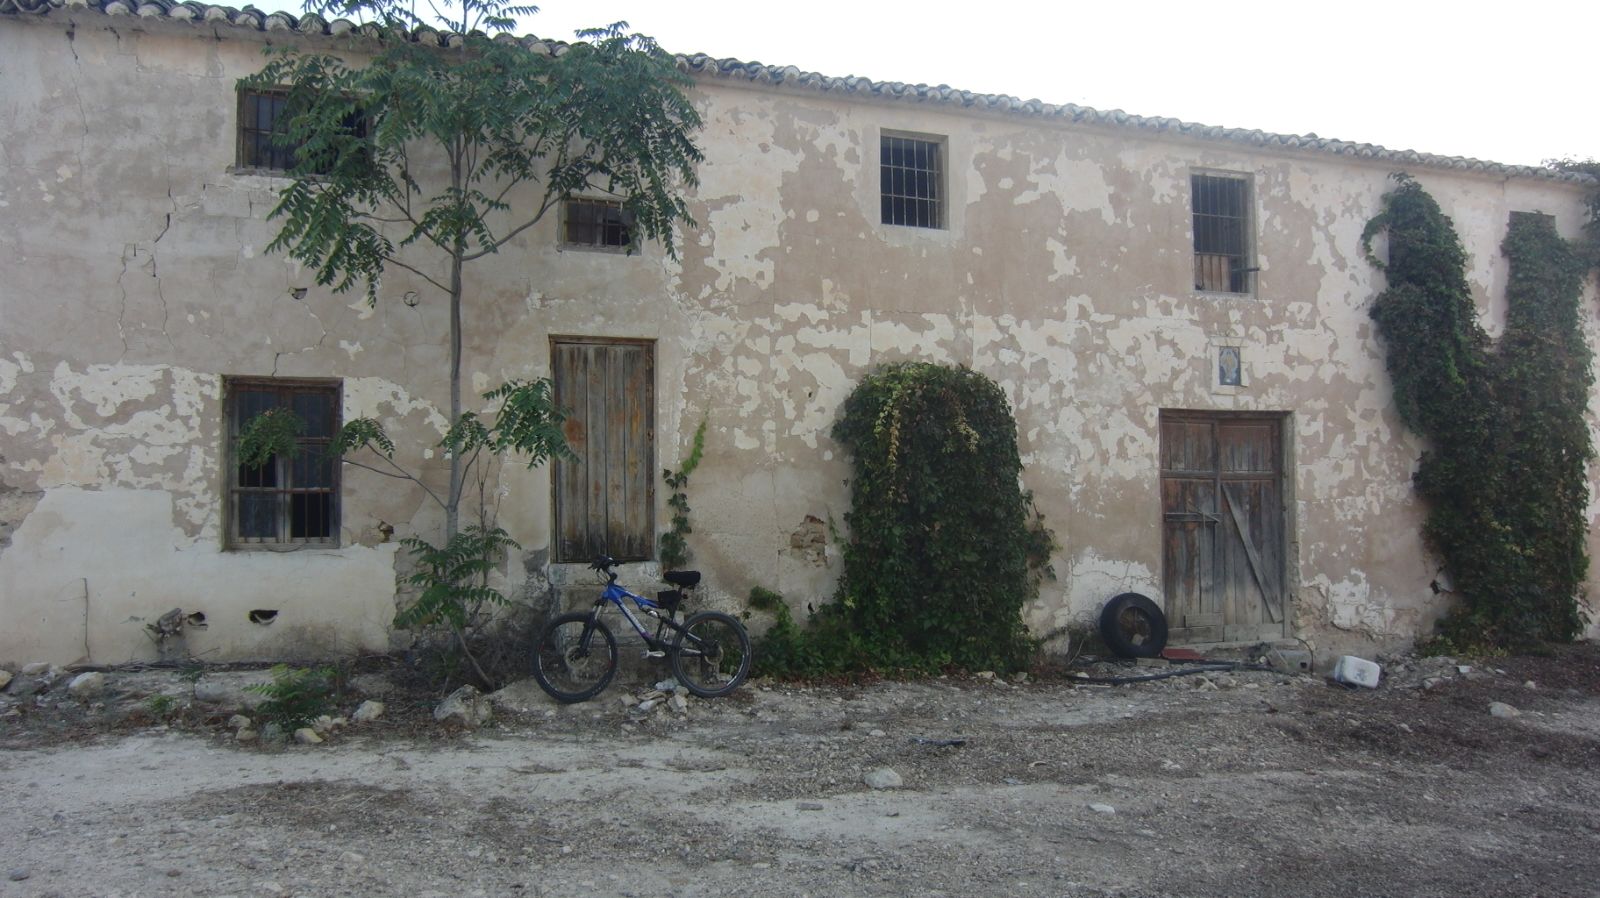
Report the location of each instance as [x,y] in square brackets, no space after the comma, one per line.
[452,511]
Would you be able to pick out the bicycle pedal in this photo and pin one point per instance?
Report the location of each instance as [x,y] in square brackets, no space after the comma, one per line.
[655,655]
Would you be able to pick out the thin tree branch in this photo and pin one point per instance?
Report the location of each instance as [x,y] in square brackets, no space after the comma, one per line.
[403,475]
[416,271]
[500,241]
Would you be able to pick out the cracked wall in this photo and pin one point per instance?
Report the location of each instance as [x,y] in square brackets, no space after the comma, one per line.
[141,281]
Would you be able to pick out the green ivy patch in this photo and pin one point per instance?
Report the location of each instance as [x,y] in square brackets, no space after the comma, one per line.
[1505,474]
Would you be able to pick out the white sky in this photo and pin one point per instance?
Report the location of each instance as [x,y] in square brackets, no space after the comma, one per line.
[1504,81]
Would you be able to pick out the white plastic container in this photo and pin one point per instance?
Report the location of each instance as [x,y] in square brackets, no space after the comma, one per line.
[1357,672]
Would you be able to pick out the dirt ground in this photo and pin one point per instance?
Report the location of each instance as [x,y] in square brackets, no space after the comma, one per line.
[1241,784]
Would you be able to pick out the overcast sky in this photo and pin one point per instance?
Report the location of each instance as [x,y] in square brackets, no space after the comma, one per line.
[1504,81]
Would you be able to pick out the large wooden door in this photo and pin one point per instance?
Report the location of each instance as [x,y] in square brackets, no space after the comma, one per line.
[1223,527]
[605,494]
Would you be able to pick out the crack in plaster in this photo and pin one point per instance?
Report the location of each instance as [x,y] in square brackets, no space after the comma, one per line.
[77,93]
[312,348]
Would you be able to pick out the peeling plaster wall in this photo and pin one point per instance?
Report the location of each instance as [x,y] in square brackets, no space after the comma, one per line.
[141,281]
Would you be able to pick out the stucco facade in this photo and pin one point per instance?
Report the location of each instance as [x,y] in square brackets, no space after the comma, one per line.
[136,281]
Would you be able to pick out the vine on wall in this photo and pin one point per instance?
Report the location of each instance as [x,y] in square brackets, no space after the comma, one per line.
[945,547]
[1504,476]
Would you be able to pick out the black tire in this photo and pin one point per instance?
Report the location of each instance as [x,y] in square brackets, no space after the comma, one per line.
[711,655]
[1132,626]
[573,660]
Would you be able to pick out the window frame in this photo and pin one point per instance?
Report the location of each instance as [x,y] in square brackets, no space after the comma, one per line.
[242,165]
[939,181]
[1243,267]
[284,490]
[601,226]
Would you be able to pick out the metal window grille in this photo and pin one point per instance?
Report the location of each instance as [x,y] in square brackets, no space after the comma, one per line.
[595,223]
[1221,233]
[286,501]
[262,144]
[260,129]
[913,182]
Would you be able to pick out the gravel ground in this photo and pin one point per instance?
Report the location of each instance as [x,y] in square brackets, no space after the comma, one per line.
[1239,784]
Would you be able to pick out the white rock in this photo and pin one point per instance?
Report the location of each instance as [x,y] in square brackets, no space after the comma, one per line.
[1357,672]
[465,707]
[984,674]
[368,711]
[679,703]
[246,734]
[322,725]
[238,722]
[883,778]
[647,705]
[1529,684]
[35,669]
[307,736]
[1099,808]
[1501,709]
[86,686]
[5,679]
[667,685]
[877,734]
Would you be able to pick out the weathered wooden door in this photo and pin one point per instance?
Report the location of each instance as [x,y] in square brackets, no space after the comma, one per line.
[1223,527]
[604,497]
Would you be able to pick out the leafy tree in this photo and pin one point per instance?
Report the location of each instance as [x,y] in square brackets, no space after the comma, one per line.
[452,138]
[437,141]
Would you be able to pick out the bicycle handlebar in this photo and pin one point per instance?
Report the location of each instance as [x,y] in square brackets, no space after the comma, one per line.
[604,564]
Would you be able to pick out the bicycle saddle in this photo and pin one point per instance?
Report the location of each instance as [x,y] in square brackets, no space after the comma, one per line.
[685,579]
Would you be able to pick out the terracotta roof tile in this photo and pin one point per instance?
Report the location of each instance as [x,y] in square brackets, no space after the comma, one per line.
[733,69]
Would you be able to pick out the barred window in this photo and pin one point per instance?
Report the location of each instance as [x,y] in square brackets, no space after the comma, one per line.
[1222,238]
[286,501]
[594,223]
[912,178]
[263,119]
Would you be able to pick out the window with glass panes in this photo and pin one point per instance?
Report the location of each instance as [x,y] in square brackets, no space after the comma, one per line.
[262,120]
[912,181]
[290,499]
[594,223]
[1222,240]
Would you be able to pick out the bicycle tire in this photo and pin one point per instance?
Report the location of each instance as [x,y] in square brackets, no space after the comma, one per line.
[569,668]
[722,669]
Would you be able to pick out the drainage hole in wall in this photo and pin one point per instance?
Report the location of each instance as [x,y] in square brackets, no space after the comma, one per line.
[263,615]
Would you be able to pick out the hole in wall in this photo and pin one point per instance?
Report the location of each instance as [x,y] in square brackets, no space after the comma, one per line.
[263,615]
[197,619]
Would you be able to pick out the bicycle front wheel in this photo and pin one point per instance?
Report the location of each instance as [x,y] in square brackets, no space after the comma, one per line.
[711,655]
[576,657]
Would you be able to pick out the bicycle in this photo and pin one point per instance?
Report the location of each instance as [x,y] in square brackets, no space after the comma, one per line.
[576,655]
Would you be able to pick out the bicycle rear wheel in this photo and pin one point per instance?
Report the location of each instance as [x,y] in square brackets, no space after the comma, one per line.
[575,658]
[711,655]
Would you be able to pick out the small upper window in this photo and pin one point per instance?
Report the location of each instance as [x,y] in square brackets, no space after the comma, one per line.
[1222,238]
[912,178]
[595,223]
[262,121]
[291,498]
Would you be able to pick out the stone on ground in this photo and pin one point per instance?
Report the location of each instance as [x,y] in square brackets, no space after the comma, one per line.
[1501,709]
[86,686]
[466,707]
[368,711]
[883,778]
[307,736]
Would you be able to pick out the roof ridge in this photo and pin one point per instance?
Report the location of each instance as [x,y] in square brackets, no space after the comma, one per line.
[792,76]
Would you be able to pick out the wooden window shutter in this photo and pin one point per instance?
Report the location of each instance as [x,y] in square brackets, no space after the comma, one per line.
[605,497]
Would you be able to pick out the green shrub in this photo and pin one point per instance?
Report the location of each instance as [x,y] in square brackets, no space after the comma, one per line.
[945,547]
[297,696]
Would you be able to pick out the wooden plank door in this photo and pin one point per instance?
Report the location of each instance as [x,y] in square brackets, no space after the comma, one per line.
[604,497]
[1223,527]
